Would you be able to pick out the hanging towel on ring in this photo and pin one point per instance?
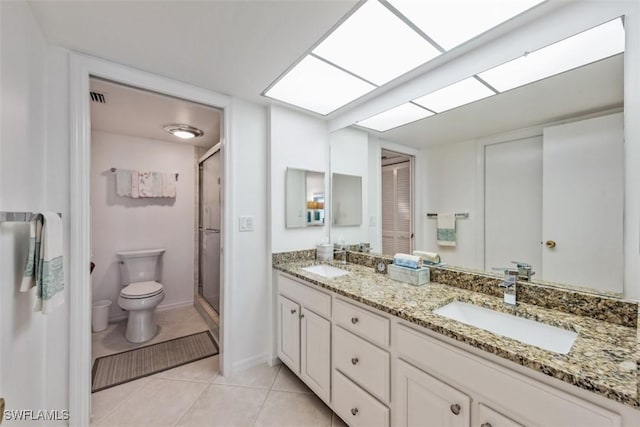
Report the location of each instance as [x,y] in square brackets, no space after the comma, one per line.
[44,267]
[446,233]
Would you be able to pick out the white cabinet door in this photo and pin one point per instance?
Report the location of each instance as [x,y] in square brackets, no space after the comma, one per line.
[422,400]
[488,417]
[289,333]
[315,352]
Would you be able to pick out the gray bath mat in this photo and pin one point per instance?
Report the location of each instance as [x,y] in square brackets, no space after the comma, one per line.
[119,368]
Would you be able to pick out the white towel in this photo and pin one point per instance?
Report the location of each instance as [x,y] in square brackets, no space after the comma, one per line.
[428,257]
[406,260]
[150,184]
[44,267]
[168,185]
[446,232]
[123,183]
[135,184]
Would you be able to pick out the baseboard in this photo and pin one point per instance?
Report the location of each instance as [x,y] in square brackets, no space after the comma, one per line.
[274,361]
[161,307]
[249,362]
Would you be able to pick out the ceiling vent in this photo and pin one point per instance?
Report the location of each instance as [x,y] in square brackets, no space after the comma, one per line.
[98,97]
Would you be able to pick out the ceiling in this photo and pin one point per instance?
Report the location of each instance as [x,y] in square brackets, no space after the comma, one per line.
[233,47]
[141,113]
[591,88]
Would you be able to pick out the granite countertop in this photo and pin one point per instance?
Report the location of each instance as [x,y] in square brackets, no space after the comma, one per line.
[603,359]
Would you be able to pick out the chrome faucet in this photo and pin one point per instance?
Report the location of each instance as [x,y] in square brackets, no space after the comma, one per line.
[510,285]
[524,270]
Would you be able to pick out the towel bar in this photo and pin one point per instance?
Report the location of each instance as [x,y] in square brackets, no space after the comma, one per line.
[462,215]
[114,171]
[19,216]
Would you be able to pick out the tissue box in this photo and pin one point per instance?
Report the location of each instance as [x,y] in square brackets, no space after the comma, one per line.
[412,276]
[324,252]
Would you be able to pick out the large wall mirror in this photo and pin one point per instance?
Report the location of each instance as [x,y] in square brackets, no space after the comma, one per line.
[304,198]
[539,169]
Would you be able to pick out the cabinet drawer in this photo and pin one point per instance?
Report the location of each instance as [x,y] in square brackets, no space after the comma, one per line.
[490,417]
[362,322]
[363,362]
[355,406]
[545,405]
[314,300]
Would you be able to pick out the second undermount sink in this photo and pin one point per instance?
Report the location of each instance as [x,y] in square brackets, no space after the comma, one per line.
[527,331]
[326,271]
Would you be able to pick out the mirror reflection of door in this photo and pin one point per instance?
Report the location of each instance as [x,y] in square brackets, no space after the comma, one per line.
[397,203]
[564,187]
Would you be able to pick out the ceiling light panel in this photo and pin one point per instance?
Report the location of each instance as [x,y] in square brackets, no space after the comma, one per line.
[398,116]
[455,95]
[583,48]
[317,86]
[376,45]
[452,22]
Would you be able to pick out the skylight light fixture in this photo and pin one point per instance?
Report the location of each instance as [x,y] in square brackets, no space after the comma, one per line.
[398,116]
[584,48]
[455,95]
[376,45]
[317,86]
[452,22]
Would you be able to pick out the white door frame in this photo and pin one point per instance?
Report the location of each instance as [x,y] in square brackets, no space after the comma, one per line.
[81,68]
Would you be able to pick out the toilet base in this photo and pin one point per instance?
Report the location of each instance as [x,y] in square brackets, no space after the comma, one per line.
[141,326]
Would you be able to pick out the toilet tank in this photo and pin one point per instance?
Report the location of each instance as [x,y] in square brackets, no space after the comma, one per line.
[139,266]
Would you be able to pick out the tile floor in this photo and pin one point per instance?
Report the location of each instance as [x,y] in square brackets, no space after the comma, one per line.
[197,395]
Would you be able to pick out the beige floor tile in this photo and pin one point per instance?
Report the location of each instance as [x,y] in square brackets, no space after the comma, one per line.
[337,421]
[288,381]
[158,403]
[225,405]
[283,409]
[106,401]
[259,376]
[204,370]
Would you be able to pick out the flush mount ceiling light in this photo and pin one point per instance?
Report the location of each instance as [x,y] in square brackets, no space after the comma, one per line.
[584,48]
[183,131]
[376,45]
[452,22]
[398,116]
[317,86]
[455,95]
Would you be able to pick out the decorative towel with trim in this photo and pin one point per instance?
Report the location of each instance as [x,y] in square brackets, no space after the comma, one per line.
[123,183]
[446,233]
[150,184]
[44,268]
[168,185]
[135,184]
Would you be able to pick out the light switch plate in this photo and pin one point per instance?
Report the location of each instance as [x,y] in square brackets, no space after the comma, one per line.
[246,223]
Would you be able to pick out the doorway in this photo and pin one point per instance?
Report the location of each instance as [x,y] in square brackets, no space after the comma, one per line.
[397,202]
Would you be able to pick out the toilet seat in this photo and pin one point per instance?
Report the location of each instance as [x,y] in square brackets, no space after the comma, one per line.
[140,290]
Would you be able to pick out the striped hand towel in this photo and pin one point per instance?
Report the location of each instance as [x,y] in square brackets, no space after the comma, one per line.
[44,268]
[446,233]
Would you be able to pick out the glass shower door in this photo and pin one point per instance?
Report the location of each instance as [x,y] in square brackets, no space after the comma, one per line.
[209,230]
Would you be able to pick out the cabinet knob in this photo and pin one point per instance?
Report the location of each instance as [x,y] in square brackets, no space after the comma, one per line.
[455,408]
[293,311]
[354,320]
[301,315]
[354,361]
[485,425]
[550,244]
[354,411]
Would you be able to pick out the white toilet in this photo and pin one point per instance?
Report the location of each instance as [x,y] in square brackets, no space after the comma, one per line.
[141,293]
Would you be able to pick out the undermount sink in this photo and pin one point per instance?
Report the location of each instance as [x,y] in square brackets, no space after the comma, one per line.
[527,331]
[326,271]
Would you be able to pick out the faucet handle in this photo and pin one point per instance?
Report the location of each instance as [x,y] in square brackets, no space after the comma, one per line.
[521,264]
[508,271]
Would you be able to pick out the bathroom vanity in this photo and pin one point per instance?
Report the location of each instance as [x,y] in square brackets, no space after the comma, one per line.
[373,350]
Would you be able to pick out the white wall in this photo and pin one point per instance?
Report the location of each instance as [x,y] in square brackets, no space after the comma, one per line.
[250,255]
[124,223]
[27,338]
[298,141]
[350,156]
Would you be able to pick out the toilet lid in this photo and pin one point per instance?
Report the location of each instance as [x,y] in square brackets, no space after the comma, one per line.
[141,289]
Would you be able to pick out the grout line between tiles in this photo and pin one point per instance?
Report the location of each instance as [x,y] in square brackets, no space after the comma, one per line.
[192,405]
[261,408]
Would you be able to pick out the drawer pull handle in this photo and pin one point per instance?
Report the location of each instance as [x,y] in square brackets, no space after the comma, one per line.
[455,408]
[354,320]
[485,425]
[354,361]
[354,411]
[293,311]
